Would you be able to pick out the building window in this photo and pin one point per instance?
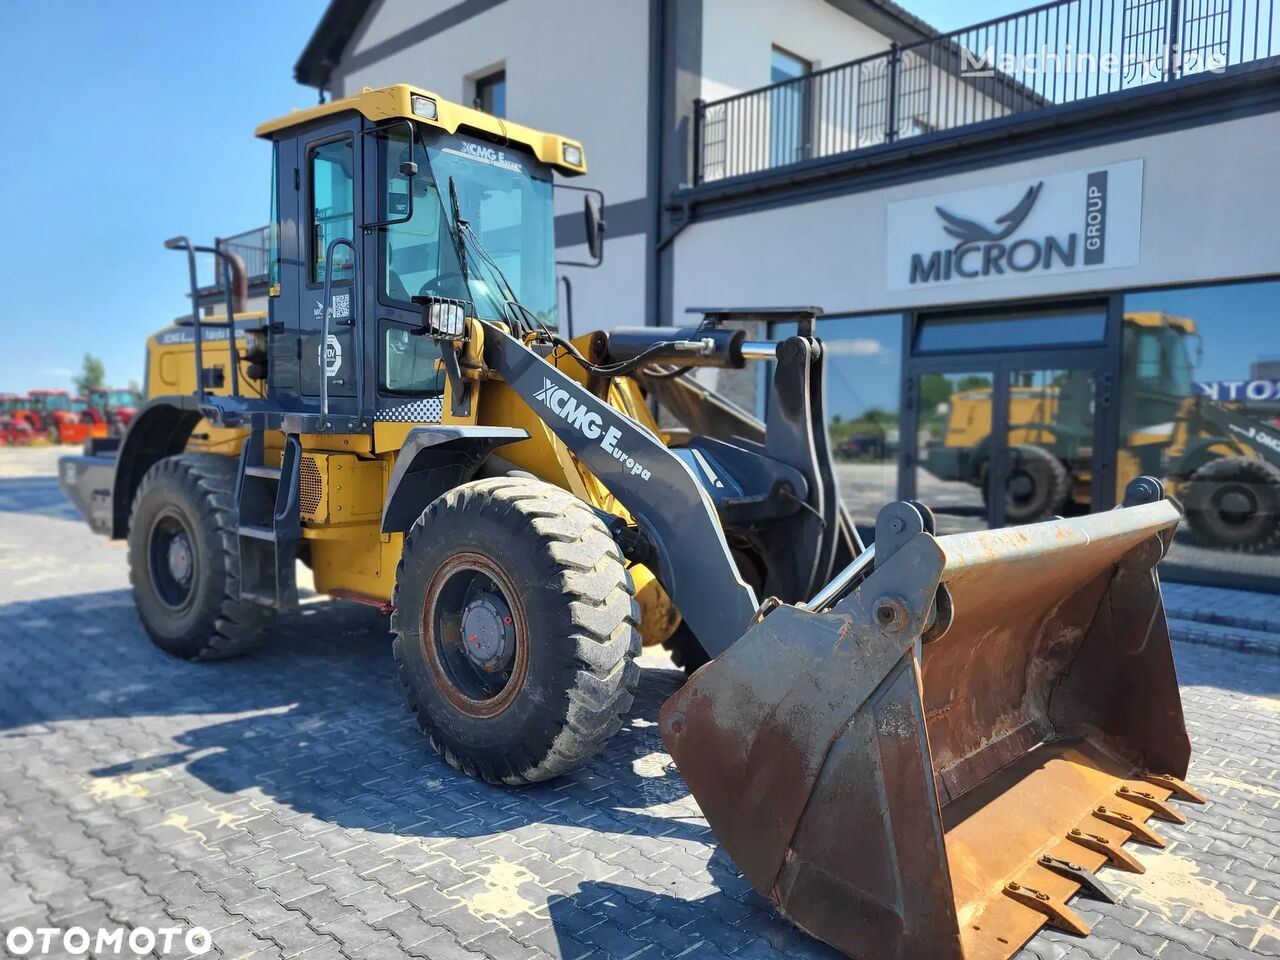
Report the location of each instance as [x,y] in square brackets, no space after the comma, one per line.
[788,108]
[1200,407]
[984,332]
[491,94]
[863,387]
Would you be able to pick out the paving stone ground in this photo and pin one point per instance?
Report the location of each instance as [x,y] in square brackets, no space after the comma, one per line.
[287,802]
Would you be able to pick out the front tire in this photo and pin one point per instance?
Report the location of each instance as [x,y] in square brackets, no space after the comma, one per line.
[516,629]
[1234,502]
[184,562]
[1038,485]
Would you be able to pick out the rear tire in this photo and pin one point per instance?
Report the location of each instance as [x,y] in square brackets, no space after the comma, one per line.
[1038,485]
[1234,502]
[184,563]
[515,628]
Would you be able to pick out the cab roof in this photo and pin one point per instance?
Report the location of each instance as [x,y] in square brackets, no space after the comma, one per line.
[1158,318]
[396,102]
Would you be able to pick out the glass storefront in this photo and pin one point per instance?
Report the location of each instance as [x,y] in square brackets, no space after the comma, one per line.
[1018,413]
[1200,407]
[864,385]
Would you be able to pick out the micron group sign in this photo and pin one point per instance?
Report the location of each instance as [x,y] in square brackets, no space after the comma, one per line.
[1083,220]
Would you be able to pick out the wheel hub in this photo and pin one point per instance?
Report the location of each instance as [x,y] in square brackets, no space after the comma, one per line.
[1235,505]
[488,633]
[179,557]
[1021,486]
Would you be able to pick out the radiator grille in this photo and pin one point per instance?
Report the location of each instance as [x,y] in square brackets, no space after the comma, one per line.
[310,488]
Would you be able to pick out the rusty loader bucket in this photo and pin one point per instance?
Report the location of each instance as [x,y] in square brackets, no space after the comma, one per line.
[934,755]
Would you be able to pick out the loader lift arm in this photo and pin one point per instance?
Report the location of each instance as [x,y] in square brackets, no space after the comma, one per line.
[669,504]
[1243,430]
[680,510]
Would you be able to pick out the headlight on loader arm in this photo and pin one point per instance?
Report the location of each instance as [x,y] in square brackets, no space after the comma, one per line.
[442,318]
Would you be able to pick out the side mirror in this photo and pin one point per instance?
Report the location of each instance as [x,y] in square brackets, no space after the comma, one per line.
[595,226]
[398,211]
[593,217]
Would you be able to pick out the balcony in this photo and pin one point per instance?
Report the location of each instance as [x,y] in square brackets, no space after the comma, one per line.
[252,249]
[1040,59]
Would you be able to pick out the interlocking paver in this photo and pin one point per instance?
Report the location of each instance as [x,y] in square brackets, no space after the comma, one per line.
[287,802]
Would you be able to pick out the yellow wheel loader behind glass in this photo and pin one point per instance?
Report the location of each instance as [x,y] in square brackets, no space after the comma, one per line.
[923,747]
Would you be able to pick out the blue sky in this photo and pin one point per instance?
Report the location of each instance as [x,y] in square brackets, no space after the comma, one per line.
[122,124]
[128,122]
[125,123]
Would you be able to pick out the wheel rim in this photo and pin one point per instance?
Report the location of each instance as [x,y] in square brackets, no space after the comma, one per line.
[474,635]
[1022,487]
[171,560]
[1236,505]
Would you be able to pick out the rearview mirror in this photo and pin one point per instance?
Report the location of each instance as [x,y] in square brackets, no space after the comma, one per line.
[595,226]
[593,222]
[399,206]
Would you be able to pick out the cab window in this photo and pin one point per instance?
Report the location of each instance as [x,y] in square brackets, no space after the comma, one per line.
[1149,355]
[421,257]
[409,363]
[332,168]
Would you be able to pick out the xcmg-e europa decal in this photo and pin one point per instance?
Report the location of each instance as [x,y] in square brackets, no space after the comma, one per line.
[588,423]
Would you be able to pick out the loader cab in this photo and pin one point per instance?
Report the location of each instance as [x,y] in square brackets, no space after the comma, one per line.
[1158,351]
[376,186]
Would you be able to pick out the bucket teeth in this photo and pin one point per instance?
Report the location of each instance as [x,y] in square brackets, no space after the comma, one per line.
[1088,880]
[1179,788]
[1117,855]
[1145,798]
[1137,829]
[1059,914]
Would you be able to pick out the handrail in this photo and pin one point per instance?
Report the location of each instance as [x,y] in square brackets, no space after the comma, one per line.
[224,259]
[327,311]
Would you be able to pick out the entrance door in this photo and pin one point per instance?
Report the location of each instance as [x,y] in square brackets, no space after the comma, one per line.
[329,173]
[1005,442]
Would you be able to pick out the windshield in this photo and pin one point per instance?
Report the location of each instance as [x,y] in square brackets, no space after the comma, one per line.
[506,198]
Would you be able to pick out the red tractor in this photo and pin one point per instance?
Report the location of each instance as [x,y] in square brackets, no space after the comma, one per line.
[116,405]
[62,419]
[16,424]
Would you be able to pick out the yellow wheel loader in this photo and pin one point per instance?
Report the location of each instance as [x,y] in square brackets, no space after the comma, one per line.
[921,747]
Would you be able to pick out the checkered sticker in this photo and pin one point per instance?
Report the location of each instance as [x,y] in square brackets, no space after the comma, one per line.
[429,410]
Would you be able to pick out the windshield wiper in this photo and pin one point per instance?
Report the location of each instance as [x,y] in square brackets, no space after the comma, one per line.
[506,299]
[460,226]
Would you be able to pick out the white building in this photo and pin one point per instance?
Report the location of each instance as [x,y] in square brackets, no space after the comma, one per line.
[992,209]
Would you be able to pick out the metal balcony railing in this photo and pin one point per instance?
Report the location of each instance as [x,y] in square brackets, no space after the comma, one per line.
[1057,53]
[251,247]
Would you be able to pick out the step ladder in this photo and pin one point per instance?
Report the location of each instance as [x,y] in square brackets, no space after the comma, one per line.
[269,523]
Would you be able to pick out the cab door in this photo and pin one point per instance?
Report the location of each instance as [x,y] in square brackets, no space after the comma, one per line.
[317,178]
